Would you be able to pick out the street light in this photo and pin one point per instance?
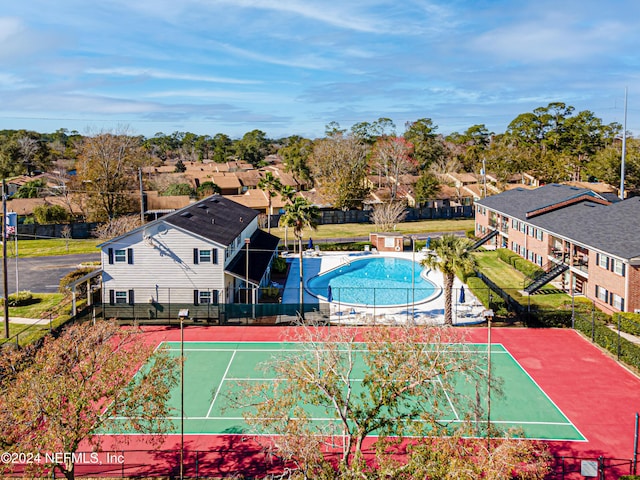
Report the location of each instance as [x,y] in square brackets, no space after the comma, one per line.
[247,241]
[413,276]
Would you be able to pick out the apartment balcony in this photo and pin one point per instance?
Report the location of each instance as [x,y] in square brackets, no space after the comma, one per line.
[579,260]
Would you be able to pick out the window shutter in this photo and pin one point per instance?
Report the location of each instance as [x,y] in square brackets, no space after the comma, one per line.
[215,300]
[131,298]
[623,269]
[214,256]
[112,296]
[195,297]
[130,256]
[110,251]
[195,256]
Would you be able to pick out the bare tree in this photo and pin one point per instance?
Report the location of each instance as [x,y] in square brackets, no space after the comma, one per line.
[117,226]
[386,216]
[339,166]
[393,158]
[106,168]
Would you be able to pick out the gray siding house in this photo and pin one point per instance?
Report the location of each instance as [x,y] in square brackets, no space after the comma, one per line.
[187,263]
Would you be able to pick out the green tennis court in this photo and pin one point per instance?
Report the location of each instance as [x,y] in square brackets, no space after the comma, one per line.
[212,370]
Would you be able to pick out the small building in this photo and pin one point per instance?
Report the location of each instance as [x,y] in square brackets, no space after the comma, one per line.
[387,242]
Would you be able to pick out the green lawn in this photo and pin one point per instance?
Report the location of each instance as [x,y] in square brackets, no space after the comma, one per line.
[41,304]
[513,281]
[347,230]
[54,246]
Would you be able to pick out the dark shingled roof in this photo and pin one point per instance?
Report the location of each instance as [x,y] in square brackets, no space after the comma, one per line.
[518,202]
[261,250]
[614,229]
[215,218]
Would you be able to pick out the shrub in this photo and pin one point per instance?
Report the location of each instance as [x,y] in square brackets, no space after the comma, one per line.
[73,276]
[18,299]
[44,214]
[516,261]
[178,189]
[279,265]
[629,323]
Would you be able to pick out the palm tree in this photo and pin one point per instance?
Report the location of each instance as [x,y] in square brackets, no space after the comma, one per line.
[271,185]
[300,214]
[451,253]
[287,192]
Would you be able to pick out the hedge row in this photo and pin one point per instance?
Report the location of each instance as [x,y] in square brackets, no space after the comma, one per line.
[609,339]
[516,261]
[629,323]
[481,291]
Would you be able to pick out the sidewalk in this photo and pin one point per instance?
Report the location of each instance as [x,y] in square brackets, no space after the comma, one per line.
[28,321]
[627,336]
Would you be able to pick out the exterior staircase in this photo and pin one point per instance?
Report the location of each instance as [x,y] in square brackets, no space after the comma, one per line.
[545,277]
[484,239]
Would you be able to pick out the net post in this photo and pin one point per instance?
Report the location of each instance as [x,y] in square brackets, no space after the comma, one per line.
[635,446]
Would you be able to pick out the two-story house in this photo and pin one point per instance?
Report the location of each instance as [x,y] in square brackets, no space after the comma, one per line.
[205,254]
[580,238]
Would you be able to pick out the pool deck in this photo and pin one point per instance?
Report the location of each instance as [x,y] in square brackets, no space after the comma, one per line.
[429,312]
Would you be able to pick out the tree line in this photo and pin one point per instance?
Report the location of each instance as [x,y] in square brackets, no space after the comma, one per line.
[552,143]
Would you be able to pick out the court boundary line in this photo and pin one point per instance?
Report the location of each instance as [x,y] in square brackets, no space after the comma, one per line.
[547,396]
[224,375]
[503,350]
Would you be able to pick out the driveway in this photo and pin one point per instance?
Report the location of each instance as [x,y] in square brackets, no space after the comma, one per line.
[42,274]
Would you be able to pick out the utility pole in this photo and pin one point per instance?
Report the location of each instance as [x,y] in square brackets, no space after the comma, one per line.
[141,196]
[5,282]
[624,147]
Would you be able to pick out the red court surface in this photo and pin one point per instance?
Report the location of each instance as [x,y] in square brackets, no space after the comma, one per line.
[598,395]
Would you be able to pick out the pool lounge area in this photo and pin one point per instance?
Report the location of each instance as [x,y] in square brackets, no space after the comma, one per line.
[363,295]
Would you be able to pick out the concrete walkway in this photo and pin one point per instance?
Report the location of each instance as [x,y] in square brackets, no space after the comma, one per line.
[627,336]
[29,321]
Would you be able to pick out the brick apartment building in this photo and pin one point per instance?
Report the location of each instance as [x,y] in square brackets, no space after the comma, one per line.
[582,239]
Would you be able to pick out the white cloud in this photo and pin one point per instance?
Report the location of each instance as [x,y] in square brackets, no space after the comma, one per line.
[159,74]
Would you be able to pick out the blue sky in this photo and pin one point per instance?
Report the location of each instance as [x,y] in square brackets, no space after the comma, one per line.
[290,67]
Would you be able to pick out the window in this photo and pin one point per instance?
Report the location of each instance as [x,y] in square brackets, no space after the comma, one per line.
[204,297]
[121,297]
[205,256]
[539,234]
[617,301]
[120,255]
[617,267]
[602,294]
[603,261]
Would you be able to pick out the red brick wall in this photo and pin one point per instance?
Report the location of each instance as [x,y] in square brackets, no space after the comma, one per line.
[611,281]
[633,301]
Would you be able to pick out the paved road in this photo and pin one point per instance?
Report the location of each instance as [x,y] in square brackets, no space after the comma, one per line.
[42,274]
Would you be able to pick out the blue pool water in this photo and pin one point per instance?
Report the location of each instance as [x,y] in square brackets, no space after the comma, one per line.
[380,281]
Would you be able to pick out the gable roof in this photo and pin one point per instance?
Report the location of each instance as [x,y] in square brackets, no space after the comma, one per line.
[261,248]
[614,228]
[215,218]
[522,203]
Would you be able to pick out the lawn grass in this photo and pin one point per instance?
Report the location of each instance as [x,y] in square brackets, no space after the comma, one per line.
[53,246]
[351,230]
[49,307]
[60,246]
[40,305]
[512,281]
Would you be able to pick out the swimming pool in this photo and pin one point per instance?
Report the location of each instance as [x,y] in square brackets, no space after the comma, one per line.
[375,280]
